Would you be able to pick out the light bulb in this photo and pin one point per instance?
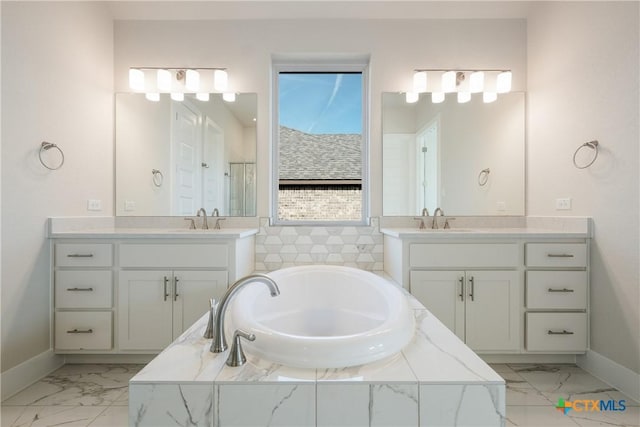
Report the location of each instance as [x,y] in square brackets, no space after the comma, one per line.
[503,83]
[449,81]
[464,97]
[220,80]
[229,96]
[152,96]
[411,97]
[192,81]
[476,82]
[164,80]
[437,97]
[420,81]
[177,96]
[202,96]
[488,97]
[136,79]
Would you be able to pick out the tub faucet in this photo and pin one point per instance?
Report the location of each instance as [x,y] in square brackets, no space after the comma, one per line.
[205,226]
[219,343]
[434,224]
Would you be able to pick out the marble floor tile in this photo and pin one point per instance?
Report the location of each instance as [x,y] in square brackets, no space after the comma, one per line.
[520,392]
[501,367]
[113,416]
[537,416]
[630,417]
[41,416]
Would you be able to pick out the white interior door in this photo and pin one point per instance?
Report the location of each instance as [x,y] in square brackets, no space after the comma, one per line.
[213,169]
[186,160]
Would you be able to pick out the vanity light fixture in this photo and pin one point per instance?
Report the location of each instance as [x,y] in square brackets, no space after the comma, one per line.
[152,96]
[202,96]
[178,81]
[464,82]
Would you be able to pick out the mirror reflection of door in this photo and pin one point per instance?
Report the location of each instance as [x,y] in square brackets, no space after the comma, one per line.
[186,153]
[428,167]
[213,168]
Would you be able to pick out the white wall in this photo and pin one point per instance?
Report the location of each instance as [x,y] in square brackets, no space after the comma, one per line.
[57,85]
[583,85]
[396,48]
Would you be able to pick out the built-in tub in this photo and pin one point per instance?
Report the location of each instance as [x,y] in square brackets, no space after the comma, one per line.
[324,317]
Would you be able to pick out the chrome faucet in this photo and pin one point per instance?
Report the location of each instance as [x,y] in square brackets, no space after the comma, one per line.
[434,224]
[219,343]
[205,226]
[425,213]
[215,212]
[217,225]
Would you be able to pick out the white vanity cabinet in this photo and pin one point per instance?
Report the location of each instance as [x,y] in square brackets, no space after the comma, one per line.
[556,297]
[83,303]
[134,292]
[481,306]
[158,304]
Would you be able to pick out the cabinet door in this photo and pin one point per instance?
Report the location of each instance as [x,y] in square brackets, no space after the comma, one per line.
[144,310]
[492,310]
[442,293]
[191,293]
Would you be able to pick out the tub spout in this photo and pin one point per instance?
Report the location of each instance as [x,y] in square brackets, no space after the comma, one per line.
[219,343]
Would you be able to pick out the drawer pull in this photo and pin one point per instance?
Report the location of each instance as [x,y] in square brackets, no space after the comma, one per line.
[175,288]
[80,331]
[461,294]
[564,290]
[564,332]
[80,255]
[560,255]
[80,289]
[472,294]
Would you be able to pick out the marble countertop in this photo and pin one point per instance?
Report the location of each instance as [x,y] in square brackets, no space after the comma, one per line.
[434,356]
[153,233]
[466,233]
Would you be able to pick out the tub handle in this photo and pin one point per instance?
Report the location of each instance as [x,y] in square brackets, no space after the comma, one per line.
[236,355]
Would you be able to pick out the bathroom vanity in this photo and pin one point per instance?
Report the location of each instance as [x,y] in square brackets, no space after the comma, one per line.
[132,290]
[515,289]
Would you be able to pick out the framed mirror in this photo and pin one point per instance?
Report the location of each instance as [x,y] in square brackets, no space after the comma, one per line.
[175,157]
[467,159]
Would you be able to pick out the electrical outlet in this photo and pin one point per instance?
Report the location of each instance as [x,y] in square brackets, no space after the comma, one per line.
[94,205]
[129,205]
[563,204]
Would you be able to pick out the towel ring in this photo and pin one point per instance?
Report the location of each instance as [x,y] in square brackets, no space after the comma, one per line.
[45,146]
[591,144]
[158,178]
[483,177]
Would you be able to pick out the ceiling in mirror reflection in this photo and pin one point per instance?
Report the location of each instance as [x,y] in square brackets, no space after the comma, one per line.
[173,158]
[467,159]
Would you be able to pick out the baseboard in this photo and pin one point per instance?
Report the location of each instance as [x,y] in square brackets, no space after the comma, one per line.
[109,358]
[614,374]
[528,358]
[28,372]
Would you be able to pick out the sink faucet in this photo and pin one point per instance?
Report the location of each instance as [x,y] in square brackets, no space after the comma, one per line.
[434,224]
[205,226]
[425,213]
[219,343]
[215,212]
[217,225]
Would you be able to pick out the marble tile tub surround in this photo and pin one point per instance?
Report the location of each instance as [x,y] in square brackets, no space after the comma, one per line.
[287,246]
[436,380]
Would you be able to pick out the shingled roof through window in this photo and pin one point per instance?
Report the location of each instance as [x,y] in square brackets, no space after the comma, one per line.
[307,157]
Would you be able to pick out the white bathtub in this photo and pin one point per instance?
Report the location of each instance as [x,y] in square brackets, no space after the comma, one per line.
[324,317]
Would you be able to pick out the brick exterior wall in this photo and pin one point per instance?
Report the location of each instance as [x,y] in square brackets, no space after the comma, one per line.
[319,204]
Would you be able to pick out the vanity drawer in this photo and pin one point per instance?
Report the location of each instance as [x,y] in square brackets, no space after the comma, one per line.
[463,255]
[556,255]
[557,290]
[557,332]
[83,289]
[83,330]
[173,255]
[83,255]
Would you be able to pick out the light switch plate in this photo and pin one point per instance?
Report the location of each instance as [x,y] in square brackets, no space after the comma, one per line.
[129,205]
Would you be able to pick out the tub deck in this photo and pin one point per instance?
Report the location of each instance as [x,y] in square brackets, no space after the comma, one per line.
[435,381]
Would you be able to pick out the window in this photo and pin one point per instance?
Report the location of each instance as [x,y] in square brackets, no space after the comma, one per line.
[320,145]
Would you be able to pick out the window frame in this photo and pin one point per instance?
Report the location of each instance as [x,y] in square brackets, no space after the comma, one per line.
[324,67]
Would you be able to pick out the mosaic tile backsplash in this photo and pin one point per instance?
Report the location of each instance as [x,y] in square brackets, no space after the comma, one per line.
[287,246]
